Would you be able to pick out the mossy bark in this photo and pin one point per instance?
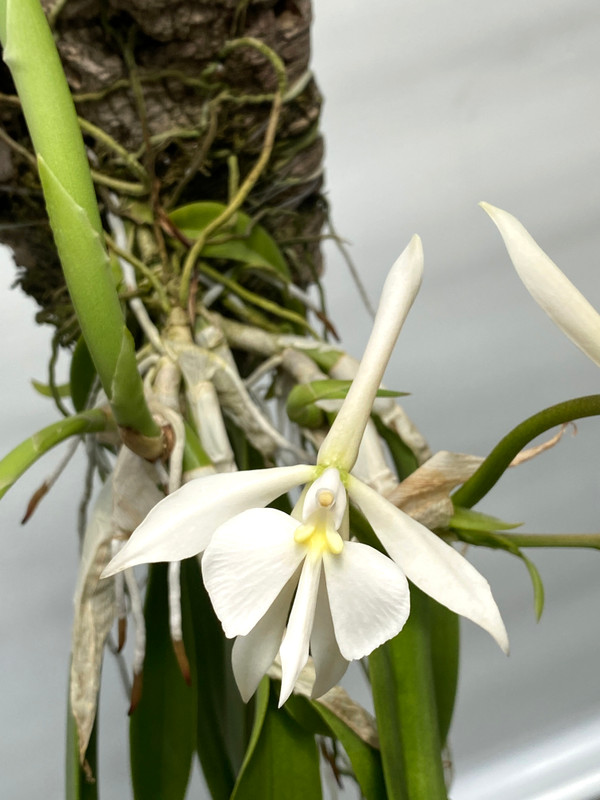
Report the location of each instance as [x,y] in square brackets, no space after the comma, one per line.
[158,84]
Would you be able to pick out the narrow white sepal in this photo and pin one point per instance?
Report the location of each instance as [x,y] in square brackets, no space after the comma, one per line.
[181,525]
[330,664]
[253,654]
[341,444]
[368,597]
[295,644]
[553,291]
[248,562]
[431,564]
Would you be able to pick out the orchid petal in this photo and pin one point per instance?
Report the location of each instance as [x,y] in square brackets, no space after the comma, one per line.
[553,291]
[330,664]
[294,647]
[253,654]
[340,448]
[368,596]
[248,562]
[182,524]
[430,563]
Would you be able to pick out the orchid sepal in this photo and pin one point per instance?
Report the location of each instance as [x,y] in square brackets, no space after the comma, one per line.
[340,447]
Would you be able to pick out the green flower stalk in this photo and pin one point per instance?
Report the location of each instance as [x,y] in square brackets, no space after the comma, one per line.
[74,216]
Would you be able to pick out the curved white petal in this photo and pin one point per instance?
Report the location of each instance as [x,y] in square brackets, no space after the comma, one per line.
[430,563]
[341,444]
[368,596]
[247,563]
[253,654]
[553,291]
[182,524]
[294,647]
[330,664]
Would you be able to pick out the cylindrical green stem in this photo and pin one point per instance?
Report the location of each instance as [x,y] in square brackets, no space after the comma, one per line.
[494,466]
[15,463]
[31,55]
[591,540]
[405,704]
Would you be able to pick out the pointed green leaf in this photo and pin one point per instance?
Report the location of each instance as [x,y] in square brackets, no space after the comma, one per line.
[469,520]
[405,705]
[249,243]
[282,762]
[538,586]
[301,403]
[45,390]
[162,730]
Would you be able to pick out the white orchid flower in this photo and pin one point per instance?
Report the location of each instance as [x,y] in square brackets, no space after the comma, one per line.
[345,597]
[553,291]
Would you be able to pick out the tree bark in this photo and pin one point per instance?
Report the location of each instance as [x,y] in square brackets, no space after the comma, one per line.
[160,78]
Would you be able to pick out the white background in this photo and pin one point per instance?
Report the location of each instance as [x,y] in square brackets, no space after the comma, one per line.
[431,106]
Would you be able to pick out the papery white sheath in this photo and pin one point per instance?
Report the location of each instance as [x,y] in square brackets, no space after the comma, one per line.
[295,584]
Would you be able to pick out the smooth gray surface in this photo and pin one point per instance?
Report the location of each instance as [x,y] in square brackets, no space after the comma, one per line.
[430,107]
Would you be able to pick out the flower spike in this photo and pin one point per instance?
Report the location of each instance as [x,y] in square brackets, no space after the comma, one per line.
[553,291]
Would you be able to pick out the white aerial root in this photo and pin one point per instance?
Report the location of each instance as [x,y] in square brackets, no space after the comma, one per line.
[135,303]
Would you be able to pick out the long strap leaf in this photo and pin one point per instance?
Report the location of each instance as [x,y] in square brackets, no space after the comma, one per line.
[162,731]
[405,705]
